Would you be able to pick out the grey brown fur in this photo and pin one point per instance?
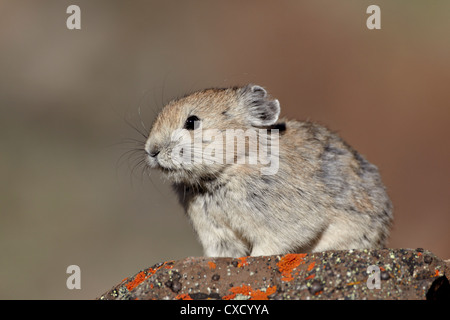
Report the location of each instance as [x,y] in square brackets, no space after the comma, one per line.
[325,195]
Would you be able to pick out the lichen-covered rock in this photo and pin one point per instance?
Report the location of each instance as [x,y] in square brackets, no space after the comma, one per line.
[399,274]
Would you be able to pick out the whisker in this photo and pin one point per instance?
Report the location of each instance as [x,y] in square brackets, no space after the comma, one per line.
[133,156]
[142,122]
[144,135]
[135,166]
[126,141]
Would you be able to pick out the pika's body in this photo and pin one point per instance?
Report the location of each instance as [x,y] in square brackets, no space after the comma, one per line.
[323,196]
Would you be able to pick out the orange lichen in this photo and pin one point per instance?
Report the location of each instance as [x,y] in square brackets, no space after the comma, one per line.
[311,266]
[288,263]
[248,291]
[263,295]
[144,275]
[243,262]
[353,283]
[140,277]
[243,289]
[211,265]
[436,273]
[310,277]
[183,296]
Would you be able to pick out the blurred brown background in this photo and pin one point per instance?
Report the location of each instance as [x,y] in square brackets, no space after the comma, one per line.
[64,96]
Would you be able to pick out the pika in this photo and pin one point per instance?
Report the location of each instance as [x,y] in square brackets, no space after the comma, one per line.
[322,196]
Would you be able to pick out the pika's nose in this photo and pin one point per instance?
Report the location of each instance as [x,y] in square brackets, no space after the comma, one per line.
[152,149]
[153,153]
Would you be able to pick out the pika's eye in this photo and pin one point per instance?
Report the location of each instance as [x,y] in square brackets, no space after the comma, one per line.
[192,123]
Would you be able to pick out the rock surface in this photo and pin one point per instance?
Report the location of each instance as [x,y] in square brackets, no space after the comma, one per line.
[401,274]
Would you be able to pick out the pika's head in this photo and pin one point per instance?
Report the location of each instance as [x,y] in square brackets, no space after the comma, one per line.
[188,140]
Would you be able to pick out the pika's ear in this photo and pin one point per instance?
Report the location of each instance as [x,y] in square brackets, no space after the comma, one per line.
[261,110]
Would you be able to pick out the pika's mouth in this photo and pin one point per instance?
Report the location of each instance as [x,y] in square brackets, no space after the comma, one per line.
[154,162]
[166,170]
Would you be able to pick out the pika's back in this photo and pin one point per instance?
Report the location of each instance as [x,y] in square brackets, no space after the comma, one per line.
[352,182]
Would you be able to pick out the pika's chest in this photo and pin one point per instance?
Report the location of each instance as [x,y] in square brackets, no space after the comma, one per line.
[223,207]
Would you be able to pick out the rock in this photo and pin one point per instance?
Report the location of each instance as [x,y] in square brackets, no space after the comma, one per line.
[400,274]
